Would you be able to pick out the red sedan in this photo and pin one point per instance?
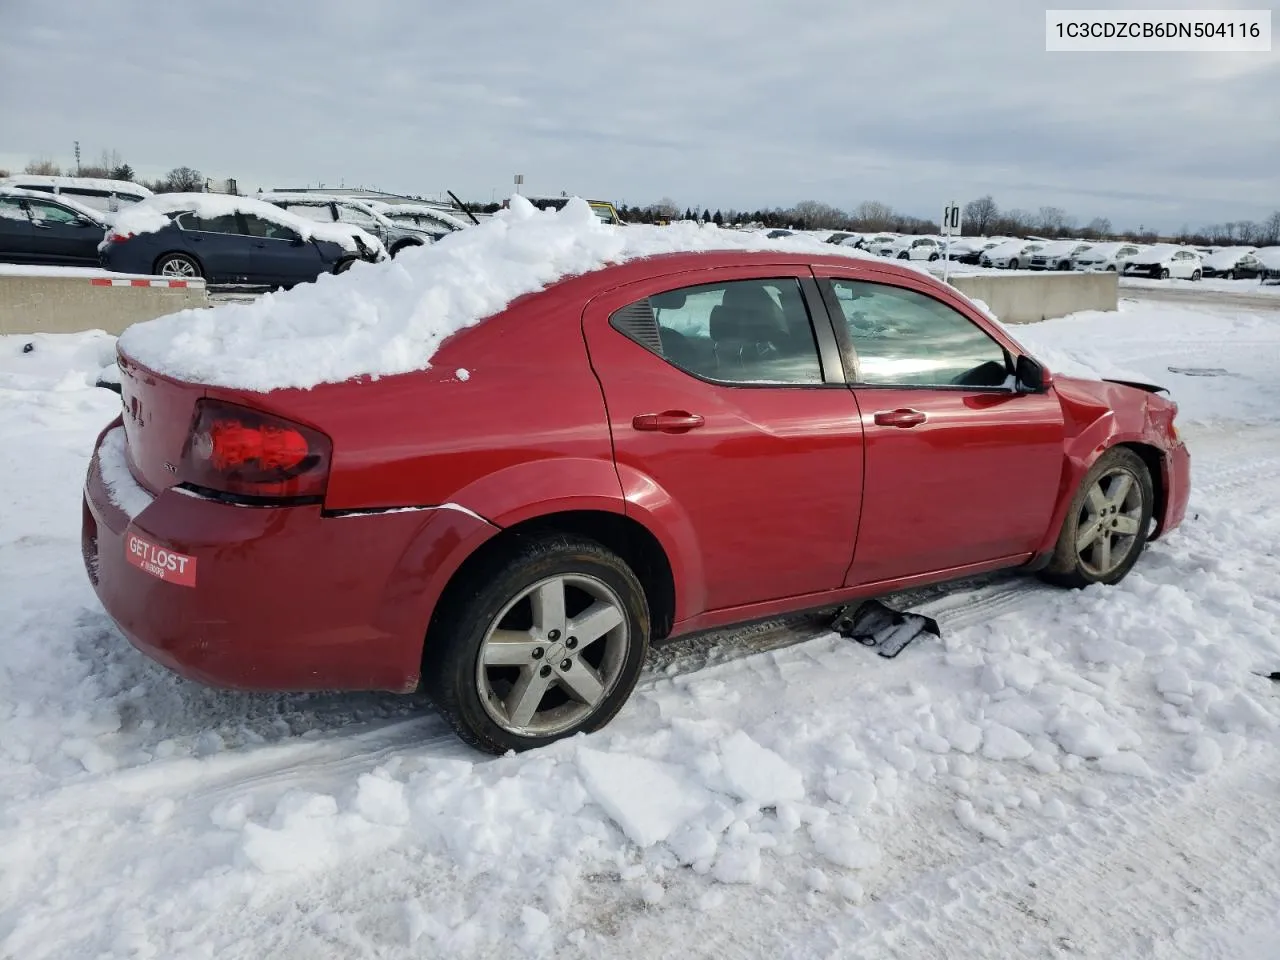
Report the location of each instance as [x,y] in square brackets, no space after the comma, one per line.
[658,446]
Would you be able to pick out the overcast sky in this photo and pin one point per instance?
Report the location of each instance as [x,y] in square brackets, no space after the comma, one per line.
[726,103]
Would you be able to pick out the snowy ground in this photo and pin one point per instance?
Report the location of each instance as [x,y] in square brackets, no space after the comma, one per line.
[1066,774]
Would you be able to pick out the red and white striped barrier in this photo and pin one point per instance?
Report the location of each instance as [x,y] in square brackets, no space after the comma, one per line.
[172,284]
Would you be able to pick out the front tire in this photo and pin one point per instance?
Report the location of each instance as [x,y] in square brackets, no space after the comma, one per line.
[1013,264]
[1164,273]
[1196,275]
[537,644]
[1106,524]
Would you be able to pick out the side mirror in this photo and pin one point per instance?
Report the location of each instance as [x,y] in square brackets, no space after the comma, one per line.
[1030,375]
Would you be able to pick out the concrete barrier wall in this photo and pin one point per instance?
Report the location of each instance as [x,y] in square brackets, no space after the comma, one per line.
[53,303]
[1033,297]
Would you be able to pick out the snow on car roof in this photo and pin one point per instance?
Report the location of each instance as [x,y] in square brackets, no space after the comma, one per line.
[88,183]
[390,318]
[62,198]
[1269,257]
[153,214]
[1226,257]
[391,210]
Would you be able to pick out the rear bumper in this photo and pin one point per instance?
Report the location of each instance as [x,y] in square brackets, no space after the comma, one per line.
[285,598]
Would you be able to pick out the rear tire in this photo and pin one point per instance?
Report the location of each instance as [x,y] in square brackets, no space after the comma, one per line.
[1196,275]
[904,255]
[503,661]
[1107,522]
[179,266]
[343,265]
[1164,273]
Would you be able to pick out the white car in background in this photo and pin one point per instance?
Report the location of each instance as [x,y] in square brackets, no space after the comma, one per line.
[921,248]
[1012,254]
[881,244]
[1106,257]
[1231,262]
[1165,261]
[1058,255]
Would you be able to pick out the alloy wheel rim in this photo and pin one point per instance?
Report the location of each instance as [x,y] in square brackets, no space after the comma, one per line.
[177,268]
[1110,522]
[552,655]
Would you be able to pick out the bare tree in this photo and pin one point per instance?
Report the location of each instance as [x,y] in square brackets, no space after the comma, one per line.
[43,167]
[873,215]
[182,180]
[1051,220]
[813,215]
[664,209]
[1098,228]
[1248,231]
[980,214]
[1270,233]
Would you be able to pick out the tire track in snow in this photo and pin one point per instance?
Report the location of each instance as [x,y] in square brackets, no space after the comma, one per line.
[1176,855]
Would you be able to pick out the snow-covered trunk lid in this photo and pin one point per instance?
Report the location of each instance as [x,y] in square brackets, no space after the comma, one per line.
[157,421]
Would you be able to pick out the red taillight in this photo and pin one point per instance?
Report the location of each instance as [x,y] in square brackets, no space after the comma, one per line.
[244,452]
[114,237]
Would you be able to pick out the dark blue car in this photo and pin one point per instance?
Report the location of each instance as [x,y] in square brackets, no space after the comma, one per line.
[40,229]
[228,242]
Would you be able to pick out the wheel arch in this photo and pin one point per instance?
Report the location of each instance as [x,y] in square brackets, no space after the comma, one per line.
[400,245]
[625,536]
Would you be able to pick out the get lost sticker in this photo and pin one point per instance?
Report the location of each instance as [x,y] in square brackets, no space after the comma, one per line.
[164,564]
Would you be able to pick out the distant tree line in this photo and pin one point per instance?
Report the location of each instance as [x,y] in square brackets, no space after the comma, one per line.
[110,166]
[982,217]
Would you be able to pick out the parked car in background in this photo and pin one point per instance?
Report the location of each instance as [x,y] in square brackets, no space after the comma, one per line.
[1107,257]
[1058,254]
[1268,263]
[105,197]
[604,210]
[414,216]
[1011,255]
[344,524]
[881,244]
[774,234]
[1165,261]
[970,249]
[1234,263]
[38,228]
[922,248]
[845,238]
[396,236]
[227,239]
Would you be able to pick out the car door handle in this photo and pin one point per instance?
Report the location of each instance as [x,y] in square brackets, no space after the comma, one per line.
[669,421]
[900,418]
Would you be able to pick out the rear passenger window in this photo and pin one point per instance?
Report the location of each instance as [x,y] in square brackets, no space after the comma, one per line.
[224,224]
[741,331]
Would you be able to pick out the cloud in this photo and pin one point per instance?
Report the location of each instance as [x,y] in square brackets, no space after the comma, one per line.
[708,101]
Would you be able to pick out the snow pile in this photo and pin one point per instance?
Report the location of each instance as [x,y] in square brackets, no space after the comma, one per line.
[153,215]
[392,318]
